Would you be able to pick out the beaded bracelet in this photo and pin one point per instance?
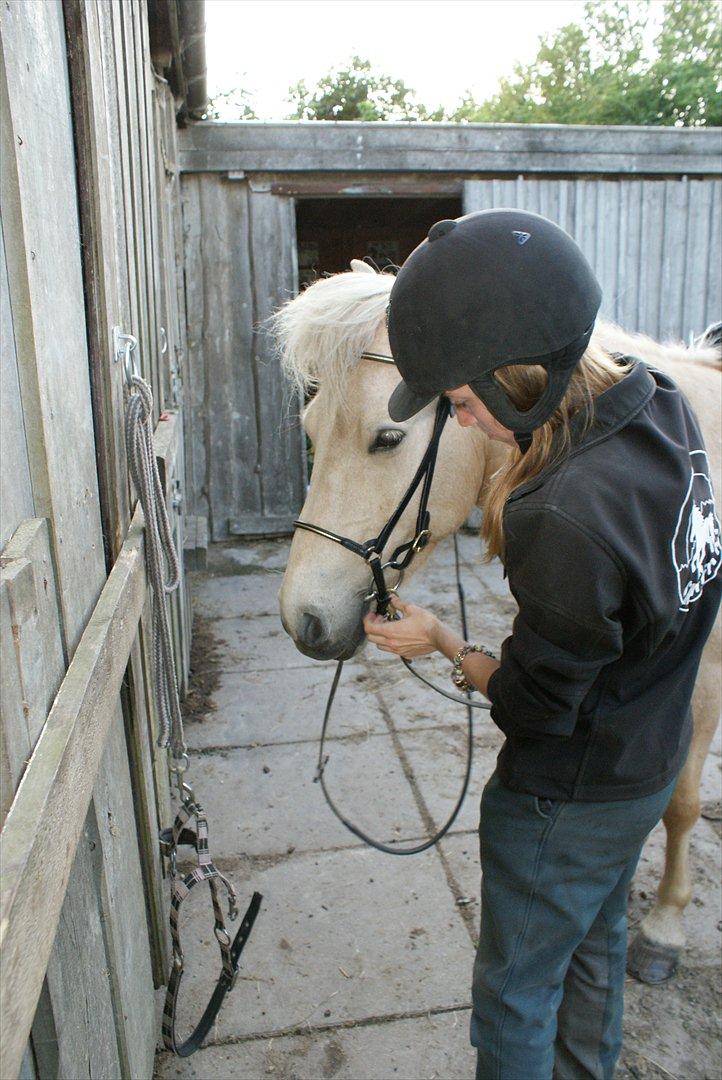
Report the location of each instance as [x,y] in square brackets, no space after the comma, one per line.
[457,675]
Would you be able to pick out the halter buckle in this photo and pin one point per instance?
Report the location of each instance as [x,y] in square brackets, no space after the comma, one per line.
[373,595]
[420,540]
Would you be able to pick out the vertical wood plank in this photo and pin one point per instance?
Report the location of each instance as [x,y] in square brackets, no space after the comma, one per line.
[129,126]
[32,646]
[583,230]
[231,427]
[652,213]
[78,977]
[100,199]
[698,228]
[674,255]
[123,906]
[16,495]
[274,280]
[713,279]
[607,245]
[630,252]
[148,203]
[194,382]
[475,196]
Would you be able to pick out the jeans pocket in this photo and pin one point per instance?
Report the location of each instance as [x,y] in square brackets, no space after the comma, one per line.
[544,807]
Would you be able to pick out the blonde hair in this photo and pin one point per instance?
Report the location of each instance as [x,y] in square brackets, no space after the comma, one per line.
[596,372]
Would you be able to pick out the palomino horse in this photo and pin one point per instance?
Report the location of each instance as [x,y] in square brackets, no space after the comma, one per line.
[362,464]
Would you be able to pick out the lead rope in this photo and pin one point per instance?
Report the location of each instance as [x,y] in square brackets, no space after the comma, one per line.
[163,572]
[466,701]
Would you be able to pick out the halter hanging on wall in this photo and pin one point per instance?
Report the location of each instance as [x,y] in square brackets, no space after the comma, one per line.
[163,571]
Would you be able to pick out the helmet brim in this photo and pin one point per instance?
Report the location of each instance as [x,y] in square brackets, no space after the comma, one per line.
[405,402]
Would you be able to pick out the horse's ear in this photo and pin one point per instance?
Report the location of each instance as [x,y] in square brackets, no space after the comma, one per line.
[361,267]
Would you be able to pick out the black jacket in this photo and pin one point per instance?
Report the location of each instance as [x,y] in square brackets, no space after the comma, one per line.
[613,558]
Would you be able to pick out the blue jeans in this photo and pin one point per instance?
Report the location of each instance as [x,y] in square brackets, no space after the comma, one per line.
[548,987]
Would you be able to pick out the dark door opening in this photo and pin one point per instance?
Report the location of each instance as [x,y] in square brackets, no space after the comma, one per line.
[331,232]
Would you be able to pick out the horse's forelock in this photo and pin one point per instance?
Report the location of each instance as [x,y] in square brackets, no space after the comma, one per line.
[322,332]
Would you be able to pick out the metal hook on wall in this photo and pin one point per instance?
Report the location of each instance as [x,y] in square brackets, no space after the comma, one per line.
[125,348]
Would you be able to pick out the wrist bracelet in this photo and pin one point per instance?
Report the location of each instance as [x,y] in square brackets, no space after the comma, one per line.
[457,675]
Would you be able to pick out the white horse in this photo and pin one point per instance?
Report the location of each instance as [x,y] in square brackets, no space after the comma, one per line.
[363,462]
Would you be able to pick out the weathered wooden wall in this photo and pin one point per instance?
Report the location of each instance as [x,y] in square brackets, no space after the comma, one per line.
[246,448]
[654,244]
[91,241]
[644,203]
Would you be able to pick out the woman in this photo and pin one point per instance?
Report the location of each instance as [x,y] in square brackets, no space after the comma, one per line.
[603,516]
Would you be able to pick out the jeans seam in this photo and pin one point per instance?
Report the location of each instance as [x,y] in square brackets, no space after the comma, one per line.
[520,940]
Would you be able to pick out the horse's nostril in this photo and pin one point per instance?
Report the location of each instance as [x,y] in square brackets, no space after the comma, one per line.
[313,632]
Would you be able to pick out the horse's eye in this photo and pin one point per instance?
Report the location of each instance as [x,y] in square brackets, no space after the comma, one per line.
[386,439]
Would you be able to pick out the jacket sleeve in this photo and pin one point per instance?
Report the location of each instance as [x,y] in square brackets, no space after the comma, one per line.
[570,590]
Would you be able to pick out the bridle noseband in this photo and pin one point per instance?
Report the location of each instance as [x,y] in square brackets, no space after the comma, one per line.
[371,551]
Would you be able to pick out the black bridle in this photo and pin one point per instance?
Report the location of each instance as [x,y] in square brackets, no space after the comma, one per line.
[371,551]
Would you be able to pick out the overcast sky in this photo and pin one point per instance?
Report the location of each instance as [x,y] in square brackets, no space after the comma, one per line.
[440,48]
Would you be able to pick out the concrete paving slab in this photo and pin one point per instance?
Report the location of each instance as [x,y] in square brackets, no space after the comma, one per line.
[435,1047]
[438,760]
[264,801]
[229,596]
[263,707]
[258,644]
[343,935]
[673,1029]
[247,557]
[413,705]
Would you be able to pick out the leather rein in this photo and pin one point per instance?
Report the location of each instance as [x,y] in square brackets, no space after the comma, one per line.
[371,551]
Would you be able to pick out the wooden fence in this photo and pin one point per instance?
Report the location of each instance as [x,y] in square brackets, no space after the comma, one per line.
[91,244]
[645,204]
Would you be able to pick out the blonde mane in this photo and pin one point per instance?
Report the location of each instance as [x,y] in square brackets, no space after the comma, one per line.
[614,339]
[322,332]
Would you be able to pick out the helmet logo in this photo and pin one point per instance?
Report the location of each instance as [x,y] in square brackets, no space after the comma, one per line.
[521,237]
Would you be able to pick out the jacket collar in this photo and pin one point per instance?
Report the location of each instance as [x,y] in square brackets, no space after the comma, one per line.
[612,411]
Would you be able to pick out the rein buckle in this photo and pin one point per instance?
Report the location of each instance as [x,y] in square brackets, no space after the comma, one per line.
[420,541]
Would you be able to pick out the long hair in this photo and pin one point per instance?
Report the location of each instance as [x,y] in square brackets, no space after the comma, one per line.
[524,383]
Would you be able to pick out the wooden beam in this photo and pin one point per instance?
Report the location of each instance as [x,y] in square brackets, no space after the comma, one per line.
[351,185]
[42,829]
[356,148]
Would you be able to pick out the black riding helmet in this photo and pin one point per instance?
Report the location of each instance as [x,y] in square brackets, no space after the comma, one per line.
[489,289]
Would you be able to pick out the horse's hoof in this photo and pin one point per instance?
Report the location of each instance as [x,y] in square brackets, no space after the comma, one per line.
[650,961]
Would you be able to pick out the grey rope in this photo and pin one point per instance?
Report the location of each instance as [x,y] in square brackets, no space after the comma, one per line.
[160,556]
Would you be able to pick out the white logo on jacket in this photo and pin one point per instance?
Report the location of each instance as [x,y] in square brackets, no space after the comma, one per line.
[697,543]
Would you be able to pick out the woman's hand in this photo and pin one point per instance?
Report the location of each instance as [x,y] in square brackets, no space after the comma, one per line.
[414,634]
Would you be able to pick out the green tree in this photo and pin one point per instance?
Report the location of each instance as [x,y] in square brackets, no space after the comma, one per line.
[598,73]
[237,99]
[354,92]
[688,69]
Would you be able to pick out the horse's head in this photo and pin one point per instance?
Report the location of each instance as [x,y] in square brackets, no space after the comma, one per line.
[362,460]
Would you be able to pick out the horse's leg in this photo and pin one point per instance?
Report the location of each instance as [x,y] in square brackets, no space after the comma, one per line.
[653,954]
